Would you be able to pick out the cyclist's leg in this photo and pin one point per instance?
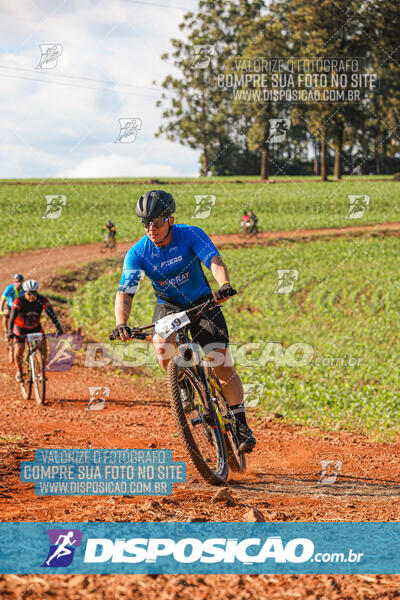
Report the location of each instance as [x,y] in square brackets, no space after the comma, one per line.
[212,334]
[19,346]
[6,314]
[166,349]
[221,361]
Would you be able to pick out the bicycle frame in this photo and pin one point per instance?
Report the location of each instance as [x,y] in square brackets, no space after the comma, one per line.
[32,347]
[205,408]
[32,376]
[182,339]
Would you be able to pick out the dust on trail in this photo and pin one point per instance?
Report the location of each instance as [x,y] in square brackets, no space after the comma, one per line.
[282,481]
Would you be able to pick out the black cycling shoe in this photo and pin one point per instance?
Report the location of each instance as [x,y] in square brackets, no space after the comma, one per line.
[247,441]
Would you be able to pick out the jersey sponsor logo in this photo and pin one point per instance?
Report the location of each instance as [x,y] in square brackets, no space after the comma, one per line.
[182,278]
[31,318]
[171,261]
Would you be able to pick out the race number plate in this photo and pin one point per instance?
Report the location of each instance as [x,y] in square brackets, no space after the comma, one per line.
[167,325]
[31,337]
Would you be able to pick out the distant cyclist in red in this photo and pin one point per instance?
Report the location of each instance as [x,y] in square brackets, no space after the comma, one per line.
[25,318]
[245,223]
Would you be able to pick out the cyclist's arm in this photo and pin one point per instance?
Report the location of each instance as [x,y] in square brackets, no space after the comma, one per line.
[3,303]
[50,311]
[219,270]
[123,303]
[13,316]
[128,286]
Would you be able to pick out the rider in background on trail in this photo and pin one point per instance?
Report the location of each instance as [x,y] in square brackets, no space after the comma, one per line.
[245,223]
[12,291]
[110,232]
[253,222]
[25,318]
[171,256]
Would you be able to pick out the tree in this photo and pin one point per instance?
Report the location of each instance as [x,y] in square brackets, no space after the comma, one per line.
[262,38]
[322,28]
[198,112]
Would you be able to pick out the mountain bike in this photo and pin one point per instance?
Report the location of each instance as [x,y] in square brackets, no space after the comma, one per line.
[248,229]
[204,419]
[33,374]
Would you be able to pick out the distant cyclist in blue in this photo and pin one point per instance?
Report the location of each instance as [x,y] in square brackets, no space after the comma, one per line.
[12,291]
[171,256]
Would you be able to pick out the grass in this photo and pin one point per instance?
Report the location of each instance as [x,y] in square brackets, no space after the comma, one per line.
[88,207]
[9,439]
[343,311]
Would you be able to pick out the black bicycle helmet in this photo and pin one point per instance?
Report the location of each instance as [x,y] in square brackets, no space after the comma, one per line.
[155,203]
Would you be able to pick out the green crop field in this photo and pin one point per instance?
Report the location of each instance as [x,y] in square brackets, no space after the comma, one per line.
[342,314]
[279,206]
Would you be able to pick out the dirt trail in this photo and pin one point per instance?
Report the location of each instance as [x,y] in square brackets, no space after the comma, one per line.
[43,262]
[282,480]
[197,181]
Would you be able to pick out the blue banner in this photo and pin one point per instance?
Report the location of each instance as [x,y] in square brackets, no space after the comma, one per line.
[202,548]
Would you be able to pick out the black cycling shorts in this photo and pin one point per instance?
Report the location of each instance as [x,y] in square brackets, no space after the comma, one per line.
[20,333]
[210,331]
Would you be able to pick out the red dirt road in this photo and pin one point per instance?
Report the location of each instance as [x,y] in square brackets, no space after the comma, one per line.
[282,480]
[43,262]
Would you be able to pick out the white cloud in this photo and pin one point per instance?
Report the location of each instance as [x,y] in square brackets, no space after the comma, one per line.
[115,165]
[59,123]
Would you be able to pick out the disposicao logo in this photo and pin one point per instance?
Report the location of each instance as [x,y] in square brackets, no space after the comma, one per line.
[190,550]
[62,547]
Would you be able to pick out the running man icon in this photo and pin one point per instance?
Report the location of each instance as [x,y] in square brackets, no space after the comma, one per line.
[61,551]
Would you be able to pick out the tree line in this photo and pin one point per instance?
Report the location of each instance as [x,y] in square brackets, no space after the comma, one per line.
[319,138]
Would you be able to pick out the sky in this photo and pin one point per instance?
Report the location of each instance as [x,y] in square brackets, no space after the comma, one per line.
[64,121]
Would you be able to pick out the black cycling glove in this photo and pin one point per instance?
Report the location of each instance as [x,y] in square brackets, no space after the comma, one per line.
[124,332]
[225,291]
[121,332]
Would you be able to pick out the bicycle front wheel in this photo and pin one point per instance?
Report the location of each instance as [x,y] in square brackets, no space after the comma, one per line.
[198,424]
[39,382]
[26,383]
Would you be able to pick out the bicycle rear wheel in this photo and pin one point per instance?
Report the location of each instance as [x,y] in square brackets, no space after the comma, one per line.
[200,430]
[39,382]
[236,459]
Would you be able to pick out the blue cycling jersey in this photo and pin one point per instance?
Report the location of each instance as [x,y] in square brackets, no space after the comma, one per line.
[174,270]
[11,293]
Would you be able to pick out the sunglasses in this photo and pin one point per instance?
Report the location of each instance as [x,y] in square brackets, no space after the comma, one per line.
[157,223]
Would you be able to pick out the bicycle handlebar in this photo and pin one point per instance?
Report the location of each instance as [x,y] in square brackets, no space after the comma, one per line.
[200,308]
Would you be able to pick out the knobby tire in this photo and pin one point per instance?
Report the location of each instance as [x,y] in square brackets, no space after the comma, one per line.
[216,476]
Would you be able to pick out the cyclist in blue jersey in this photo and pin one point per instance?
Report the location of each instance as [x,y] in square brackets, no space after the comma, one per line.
[12,291]
[171,257]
